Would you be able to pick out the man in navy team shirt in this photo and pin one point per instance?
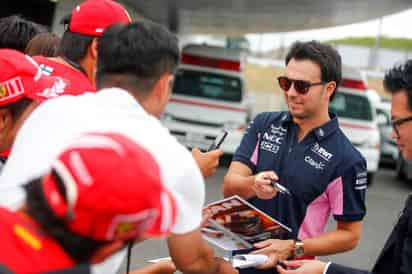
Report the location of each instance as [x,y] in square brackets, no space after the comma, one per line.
[396,255]
[305,151]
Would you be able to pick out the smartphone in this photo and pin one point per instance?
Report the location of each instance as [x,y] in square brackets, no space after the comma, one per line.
[218,140]
[281,188]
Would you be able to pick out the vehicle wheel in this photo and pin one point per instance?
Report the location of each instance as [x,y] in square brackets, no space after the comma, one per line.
[400,172]
[370,177]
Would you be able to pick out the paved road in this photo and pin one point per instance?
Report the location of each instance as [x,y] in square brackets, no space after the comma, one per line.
[384,201]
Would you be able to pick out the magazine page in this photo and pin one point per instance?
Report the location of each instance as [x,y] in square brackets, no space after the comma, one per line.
[236,224]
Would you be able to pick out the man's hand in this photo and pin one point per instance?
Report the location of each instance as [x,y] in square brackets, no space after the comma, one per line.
[207,161]
[225,267]
[275,250]
[161,267]
[192,255]
[262,184]
[302,267]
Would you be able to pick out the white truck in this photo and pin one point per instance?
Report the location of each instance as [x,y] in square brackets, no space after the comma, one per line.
[208,95]
[356,112]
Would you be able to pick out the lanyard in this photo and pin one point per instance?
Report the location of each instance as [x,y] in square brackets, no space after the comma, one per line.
[75,65]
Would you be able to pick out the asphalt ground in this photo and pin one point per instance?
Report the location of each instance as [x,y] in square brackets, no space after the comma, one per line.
[385,198]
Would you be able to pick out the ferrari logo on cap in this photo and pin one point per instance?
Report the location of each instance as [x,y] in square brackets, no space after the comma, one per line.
[123,229]
[11,88]
[125,226]
[3,91]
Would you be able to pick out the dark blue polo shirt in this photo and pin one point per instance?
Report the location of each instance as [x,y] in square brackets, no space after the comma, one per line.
[324,172]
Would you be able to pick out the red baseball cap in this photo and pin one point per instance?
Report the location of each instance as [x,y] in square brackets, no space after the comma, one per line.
[92,17]
[113,189]
[21,77]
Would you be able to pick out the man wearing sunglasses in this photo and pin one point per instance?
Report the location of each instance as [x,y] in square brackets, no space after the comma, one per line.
[396,256]
[305,151]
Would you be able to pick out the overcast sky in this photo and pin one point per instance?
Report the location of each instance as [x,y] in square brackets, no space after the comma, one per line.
[396,25]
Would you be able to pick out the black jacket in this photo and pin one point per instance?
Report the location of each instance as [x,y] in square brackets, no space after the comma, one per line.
[396,255]
[2,162]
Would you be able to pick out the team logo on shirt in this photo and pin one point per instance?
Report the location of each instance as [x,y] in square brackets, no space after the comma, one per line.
[322,152]
[280,131]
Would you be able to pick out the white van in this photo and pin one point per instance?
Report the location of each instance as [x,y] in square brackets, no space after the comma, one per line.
[357,117]
[208,95]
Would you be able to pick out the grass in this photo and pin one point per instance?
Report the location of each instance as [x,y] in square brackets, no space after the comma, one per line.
[385,42]
[261,79]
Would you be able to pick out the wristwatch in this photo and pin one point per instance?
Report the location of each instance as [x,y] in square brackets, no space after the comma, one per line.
[298,250]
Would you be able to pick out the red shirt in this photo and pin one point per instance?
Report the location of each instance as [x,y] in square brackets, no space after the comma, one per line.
[25,249]
[78,82]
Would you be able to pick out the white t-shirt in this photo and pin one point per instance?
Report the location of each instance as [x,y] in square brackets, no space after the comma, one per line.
[56,122]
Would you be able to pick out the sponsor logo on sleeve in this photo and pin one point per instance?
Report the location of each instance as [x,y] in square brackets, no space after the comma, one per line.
[361,174]
[361,181]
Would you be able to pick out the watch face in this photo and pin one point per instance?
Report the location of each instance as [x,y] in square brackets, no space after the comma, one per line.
[299,250]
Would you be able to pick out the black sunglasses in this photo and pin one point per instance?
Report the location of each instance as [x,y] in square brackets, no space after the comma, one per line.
[397,123]
[301,86]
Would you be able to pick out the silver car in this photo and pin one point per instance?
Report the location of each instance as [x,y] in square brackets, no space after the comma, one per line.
[389,150]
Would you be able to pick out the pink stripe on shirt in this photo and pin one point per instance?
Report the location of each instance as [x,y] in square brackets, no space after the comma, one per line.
[254,157]
[319,210]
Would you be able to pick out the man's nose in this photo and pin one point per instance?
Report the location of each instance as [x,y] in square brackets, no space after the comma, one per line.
[292,91]
[394,134]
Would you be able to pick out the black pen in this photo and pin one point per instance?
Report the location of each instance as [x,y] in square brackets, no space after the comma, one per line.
[281,188]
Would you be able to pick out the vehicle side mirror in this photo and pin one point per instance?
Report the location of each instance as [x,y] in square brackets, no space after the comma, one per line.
[382,120]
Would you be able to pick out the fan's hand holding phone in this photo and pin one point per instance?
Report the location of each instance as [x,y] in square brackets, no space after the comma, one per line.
[218,140]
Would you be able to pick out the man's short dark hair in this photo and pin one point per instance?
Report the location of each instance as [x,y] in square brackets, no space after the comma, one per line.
[45,44]
[79,247]
[16,32]
[17,108]
[325,56]
[140,53]
[73,46]
[399,78]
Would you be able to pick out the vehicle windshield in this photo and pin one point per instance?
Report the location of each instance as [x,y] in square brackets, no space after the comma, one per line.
[207,85]
[351,106]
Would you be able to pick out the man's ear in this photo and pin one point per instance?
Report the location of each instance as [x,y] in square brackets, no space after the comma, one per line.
[106,250]
[162,86]
[6,119]
[93,49]
[330,88]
